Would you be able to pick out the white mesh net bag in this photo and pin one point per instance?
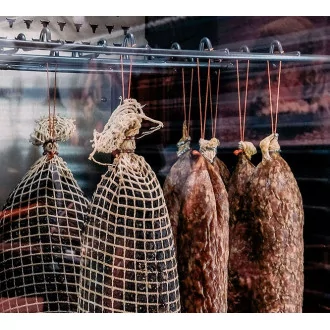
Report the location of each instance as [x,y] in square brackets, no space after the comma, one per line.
[128,255]
[40,231]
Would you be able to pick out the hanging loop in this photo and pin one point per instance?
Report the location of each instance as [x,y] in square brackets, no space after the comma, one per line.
[205,44]
[176,45]
[129,41]
[276,43]
[244,49]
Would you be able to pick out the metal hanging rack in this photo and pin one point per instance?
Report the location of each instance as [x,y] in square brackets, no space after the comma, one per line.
[68,56]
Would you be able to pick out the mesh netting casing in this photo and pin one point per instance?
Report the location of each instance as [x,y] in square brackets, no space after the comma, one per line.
[128,256]
[40,240]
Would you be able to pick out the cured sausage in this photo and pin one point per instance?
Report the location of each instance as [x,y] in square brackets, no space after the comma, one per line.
[274,203]
[128,259]
[201,210]
[40,232]
[241,260]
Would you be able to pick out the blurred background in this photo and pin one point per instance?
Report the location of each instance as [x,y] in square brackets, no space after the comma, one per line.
[303,122]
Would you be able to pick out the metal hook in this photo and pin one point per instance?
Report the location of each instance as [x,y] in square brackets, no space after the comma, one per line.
[129,38]
[176,45]
[205,43]
[272,47]
[146,57]
[244,49]
[45,34]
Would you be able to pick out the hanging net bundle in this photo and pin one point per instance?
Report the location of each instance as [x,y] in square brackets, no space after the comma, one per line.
[128,257]
[40,230]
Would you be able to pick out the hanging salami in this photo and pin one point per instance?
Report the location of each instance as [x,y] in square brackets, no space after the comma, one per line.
[128,259]
[40,231]
[198,207]
[241,259]
[275,205]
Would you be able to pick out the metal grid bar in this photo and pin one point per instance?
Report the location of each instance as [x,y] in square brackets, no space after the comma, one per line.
[85,58]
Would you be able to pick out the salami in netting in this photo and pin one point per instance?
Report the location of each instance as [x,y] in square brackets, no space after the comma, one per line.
[198,207]
[241,267]
[40,231]
[128,260]
[275,205]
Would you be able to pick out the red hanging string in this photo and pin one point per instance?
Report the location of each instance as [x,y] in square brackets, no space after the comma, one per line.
[274,121]
[130,78]
[206,97]
[48,94]
[278,95]
[190,99]
[239,102]
[54,109]
[184,97]
[270,98]
[122,75]
[216,105]
[245,98]
[199,98]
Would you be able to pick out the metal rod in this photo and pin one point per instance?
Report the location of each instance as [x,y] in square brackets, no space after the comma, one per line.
[31,62]
[152,58]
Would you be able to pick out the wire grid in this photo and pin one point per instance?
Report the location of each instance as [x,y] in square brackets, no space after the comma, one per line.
[128,259]
[40,240]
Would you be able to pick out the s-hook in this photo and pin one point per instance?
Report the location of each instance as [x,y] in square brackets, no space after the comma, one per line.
[129,41]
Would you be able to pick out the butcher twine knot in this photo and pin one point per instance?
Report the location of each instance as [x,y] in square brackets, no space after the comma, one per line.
[119,133]
[184,143]
[208,148]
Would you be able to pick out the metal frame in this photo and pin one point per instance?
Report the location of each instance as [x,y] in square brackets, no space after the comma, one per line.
[83,58]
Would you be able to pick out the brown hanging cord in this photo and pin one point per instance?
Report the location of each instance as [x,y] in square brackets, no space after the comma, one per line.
[122,76]
[206,96]
[190,99]
[54,110]
[184,97]
[242,122]
[274,122]
[270,98]
[278,95]
[210,93]
[216,106]
[49,112]
[130,78]
[199,98]
[245,98]
[239,102]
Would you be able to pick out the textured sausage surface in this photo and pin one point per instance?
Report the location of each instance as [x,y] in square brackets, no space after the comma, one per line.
[241,267]
[275,205]
[128,260]
[173,192]
[201,215]
[222,169]
[40,235]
